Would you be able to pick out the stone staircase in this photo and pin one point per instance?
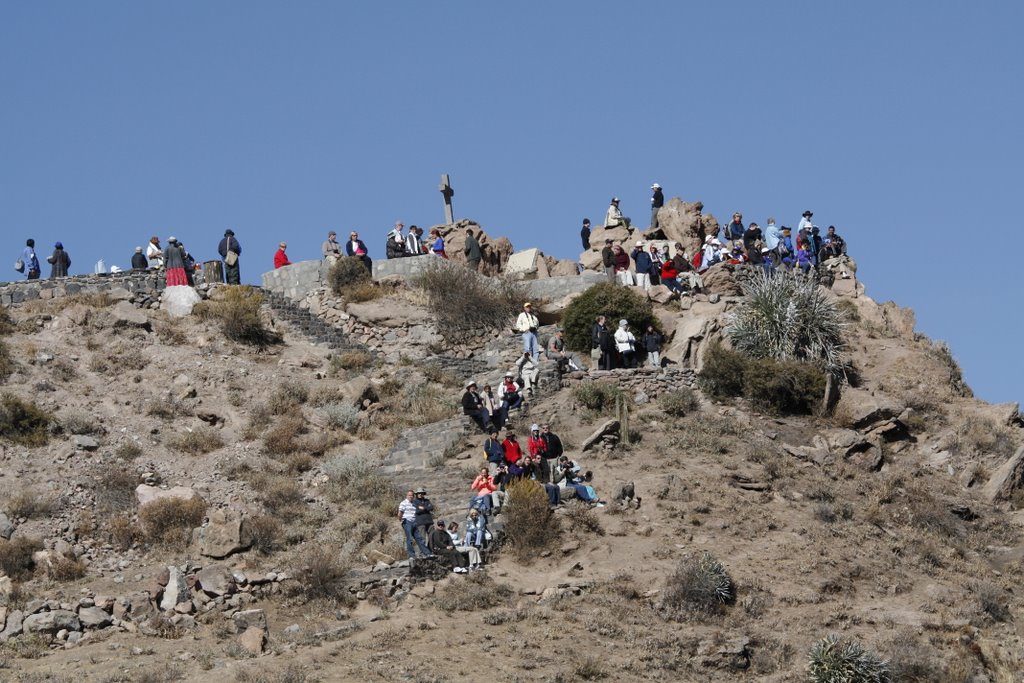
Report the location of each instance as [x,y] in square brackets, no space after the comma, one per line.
[312,327]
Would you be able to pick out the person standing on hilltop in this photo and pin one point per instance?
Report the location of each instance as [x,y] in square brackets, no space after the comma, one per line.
[585,234]
[805,221]
[733,232]
[608,260]
[280,257]
[330,249]
[472,251]
[229,250]
[407,516]
[414,243]
[657,201]
[154,254]
[174,264]
[30,262]
[613,218]
[59,260]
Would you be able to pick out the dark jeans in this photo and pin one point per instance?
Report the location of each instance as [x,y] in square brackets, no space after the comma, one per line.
[607,361]
[233,274]
[629,359]
[554,493]
[413,533]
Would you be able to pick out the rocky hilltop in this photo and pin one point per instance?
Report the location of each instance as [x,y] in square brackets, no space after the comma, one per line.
[202,486]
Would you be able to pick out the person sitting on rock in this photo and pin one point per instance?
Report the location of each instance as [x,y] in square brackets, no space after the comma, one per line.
[437,244]
[733,231]
[139,261]
[356,247]
[471,552]
[622,272]
[529,371]
[787,252]
[578,481]
[494,453]
[395,245]
[485,489]
[508,393]
[474,407]
[613,218]
[556,352]
[670,276]
[280,257]
[440,543]
[536,445]
[492,404]
[330,249]
[476,529]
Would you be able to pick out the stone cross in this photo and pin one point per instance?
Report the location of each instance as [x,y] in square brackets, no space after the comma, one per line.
[446,189]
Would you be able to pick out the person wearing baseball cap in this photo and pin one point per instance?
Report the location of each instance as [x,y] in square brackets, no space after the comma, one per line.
[527,324]
[613,218]
[657,201]
[330,249]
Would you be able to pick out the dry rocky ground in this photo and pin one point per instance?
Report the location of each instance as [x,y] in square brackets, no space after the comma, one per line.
[900,543]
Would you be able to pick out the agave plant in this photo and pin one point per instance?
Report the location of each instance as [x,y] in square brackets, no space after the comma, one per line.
[787,317]
[831,660]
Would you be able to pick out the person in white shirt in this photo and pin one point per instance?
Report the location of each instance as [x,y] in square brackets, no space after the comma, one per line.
[613,218]
[407,515]
[625,343]
[154,254]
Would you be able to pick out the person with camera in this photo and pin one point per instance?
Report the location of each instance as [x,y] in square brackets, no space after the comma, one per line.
[527,324]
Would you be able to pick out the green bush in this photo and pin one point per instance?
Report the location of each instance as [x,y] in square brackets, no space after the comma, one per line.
[772,386]
[680,402]
[700,585]
[347,272]
[465,302]
[833,661]
[787,317]
[23,422]
[614,303]
[596,396]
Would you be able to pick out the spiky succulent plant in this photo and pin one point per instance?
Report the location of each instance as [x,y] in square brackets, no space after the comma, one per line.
[833,660]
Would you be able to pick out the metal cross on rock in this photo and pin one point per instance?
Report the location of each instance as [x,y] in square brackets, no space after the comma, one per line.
[446,189]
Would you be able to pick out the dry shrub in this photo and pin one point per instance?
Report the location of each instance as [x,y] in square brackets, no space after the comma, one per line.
[477,591]
[170,521]
[168,408]
[63,370]
[982,436]
[342,415]
[283,437]
[351,360]
[16,557]
[287,397]
[321,577]
[281,496]
[699,587]
[266,533]
[680,402]
[529,525]
[359,480]
[65,569]
[122,533]
[466,303]
[114,488]
[913,661]
[438,375]
[239,316]
[171,334]
[364,291]
[129,450]
[581,517]
[6,361]
[992,600]
[28,504]
[198,441]
[23,422]
[706,435]
[80,423]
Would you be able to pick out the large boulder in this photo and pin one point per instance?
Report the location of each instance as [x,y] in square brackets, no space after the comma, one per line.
[495,251]
[215,581]
[684,222]
[864,410]
[94,617]
[357,390]
[123,314]
[179,300]
[719,279]
[592,260]
[689,337]
[147,494]
[6,527]
[1006,480]
[226,533]
[51,622]
[176,591]
[528,264]
[560,267]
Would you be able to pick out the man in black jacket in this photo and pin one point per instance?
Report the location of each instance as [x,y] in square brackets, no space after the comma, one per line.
[552,451]
[608,260]
[585,234]
[229,250]
[657,201]
[424,511]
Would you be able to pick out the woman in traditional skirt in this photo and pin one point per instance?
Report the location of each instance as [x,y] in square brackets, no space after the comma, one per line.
[174,263]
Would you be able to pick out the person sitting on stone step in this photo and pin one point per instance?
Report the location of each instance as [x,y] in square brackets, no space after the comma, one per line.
[440,543]
[513,451]
[471,552]
[493,406]
[476,529]
[485,488]
[556,352]
[508,394]
[474,407]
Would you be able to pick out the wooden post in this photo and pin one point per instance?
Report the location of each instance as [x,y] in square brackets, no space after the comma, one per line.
[446,189]
[213,271]
[624,422]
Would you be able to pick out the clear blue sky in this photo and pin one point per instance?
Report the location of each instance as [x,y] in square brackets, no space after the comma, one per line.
[898,122]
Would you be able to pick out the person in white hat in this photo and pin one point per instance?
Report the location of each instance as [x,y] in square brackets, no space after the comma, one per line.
[508,393]
[613,218]
[473,406]
[527,324]
[642,261]
[657,201]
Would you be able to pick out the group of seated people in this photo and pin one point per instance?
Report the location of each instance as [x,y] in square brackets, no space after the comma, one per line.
[543,462]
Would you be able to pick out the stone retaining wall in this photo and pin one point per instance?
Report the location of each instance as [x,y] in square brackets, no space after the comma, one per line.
[650,382]
[416,446]
[121,285]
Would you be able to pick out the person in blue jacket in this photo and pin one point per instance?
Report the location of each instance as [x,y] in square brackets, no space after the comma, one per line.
[642,261]
[31,261]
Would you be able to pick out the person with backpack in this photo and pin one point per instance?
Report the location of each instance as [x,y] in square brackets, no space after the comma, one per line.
[230,250]
[734,230]
[59,261]
[29,261]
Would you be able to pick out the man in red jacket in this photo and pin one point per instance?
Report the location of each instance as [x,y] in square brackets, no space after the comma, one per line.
[281,258]
[513,451]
